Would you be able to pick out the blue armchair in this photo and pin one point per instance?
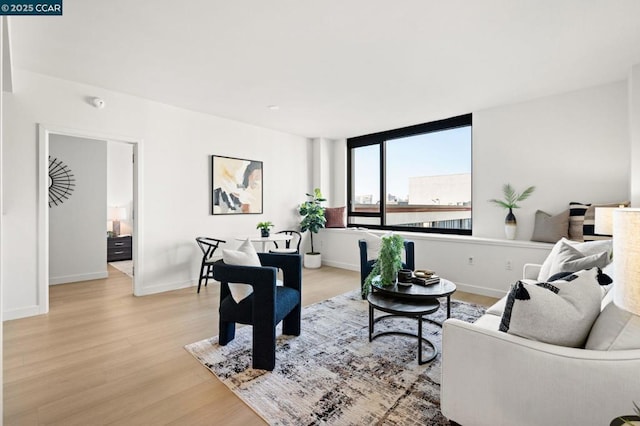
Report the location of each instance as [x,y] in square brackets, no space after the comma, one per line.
[265,307]
[366,265]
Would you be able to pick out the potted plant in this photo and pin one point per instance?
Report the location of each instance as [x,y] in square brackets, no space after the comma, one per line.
[510,201]
[264,228]
[313,219]
[389,262]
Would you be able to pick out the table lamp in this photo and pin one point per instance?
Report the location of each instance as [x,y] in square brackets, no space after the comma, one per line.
[626,258]
[604,220]
[117,214]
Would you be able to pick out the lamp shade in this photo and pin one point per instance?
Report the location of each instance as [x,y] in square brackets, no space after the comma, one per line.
[604,220]
[626,258]
[117,213]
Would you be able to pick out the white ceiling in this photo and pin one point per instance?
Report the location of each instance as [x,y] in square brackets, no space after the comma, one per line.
[335,68]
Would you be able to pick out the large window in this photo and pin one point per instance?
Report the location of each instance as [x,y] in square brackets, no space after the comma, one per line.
[416,178]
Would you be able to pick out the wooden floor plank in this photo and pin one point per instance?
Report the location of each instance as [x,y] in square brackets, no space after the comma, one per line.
[103,356]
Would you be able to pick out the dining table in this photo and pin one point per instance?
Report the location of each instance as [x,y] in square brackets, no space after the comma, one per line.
[265,240]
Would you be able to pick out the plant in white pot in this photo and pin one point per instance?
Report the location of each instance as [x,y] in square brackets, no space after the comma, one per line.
[510,201]
[313,219]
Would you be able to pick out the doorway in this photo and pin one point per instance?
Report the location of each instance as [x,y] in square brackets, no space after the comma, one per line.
[119,206]
[45,132]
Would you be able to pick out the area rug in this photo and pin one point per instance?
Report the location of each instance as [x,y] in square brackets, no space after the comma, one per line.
[331,374]
[125,266]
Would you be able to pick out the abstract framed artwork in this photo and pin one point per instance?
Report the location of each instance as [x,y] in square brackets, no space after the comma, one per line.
[236,186]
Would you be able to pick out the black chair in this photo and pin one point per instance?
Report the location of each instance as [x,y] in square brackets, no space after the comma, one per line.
[265,307]
[208,247]
[289,246]
[366,265]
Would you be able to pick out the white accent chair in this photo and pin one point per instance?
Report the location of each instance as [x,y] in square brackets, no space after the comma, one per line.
[493,378]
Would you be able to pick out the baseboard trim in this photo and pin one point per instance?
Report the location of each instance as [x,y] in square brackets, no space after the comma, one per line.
[341,265]
[28,311]
[79,277]
[483,291]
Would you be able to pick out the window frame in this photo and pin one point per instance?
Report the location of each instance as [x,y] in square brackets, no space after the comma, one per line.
[379,139]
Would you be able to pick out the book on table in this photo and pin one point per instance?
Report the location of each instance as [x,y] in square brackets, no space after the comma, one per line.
[433,279]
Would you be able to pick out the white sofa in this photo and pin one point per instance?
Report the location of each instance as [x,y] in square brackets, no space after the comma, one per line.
[493,378]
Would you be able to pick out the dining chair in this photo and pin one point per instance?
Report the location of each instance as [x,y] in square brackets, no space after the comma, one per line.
[290,246]
[208,247]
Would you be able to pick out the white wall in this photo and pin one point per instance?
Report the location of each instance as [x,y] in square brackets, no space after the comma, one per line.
[572,147]
[329,169]
[77,238]
[120,182]
[177,144]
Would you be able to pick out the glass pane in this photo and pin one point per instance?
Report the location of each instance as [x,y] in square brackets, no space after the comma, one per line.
[429,180]
[356,220]
[365,189]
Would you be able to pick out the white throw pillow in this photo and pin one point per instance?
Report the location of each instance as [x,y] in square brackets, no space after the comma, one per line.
[374,242]
[560,313]
[615,330]
[587,249]
[373,245]
[245,256]
[570,259]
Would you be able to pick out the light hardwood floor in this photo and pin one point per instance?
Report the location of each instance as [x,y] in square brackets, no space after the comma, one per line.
[103,356]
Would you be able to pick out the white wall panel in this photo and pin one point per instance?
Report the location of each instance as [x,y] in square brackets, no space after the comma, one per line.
[572,147]
[77,235]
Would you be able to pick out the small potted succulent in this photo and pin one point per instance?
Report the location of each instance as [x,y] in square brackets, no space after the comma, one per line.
[264,228]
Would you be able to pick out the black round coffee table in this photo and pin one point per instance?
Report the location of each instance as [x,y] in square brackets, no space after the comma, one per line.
[417,292]
[403,307]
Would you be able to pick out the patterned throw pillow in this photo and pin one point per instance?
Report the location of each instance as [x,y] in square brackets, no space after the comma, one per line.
[588,228]
[559,313]
[576,220]
[335,217]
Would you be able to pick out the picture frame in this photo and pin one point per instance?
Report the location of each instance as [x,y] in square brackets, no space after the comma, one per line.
[236,186]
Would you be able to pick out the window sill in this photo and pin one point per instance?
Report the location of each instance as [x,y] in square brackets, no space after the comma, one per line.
[452,238]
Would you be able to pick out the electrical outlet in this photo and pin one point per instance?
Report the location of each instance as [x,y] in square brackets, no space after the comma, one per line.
[470,261]
[507,265]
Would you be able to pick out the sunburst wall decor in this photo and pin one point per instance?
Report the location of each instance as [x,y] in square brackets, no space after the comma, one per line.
[61,182]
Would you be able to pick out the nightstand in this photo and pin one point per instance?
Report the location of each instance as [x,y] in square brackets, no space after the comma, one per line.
[118,248]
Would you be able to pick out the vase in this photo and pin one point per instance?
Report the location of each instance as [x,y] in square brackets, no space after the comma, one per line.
[264,233]
[510,225]
[631,419]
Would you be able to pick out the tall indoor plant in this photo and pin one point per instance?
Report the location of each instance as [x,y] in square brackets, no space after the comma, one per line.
[312,220]
[510,201]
